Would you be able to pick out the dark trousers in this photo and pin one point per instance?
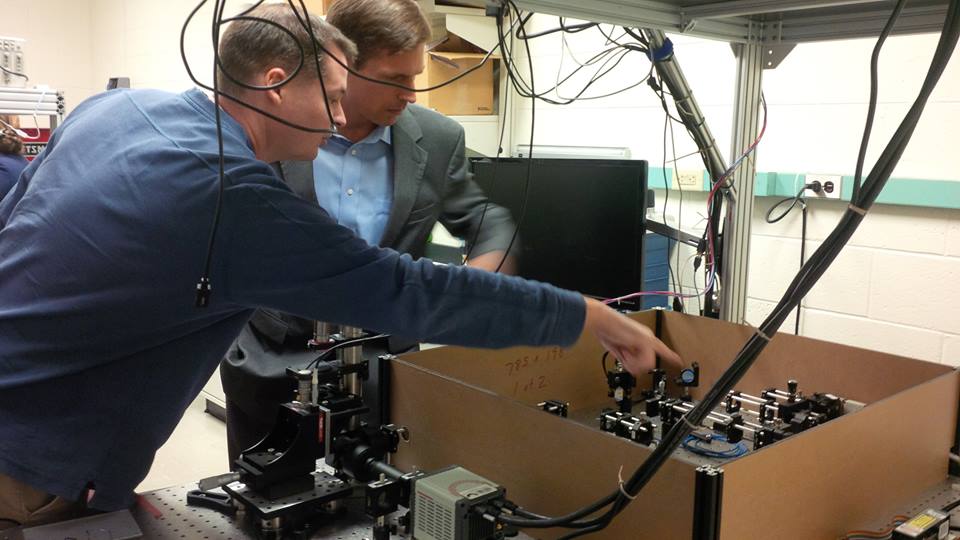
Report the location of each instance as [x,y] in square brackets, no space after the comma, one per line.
[253,398]
[246,426]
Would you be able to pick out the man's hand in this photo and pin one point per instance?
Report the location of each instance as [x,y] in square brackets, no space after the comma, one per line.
[629,341]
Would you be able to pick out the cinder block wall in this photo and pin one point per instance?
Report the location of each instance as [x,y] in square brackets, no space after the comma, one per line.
[892,289]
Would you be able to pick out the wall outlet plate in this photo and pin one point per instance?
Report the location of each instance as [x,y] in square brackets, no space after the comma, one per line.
[830,186]
[688,179]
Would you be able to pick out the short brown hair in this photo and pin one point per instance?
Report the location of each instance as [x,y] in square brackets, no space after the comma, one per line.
[10,142]
[248,47]
[380,25]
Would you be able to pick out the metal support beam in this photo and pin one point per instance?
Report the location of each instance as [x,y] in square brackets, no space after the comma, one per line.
[746,114]
[739,8]
[785,21]
[707,502]
[642,14]
[868,21]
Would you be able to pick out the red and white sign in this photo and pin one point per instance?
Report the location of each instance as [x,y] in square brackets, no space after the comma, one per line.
[33,147]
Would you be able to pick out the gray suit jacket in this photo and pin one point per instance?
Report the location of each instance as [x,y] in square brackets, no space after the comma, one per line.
[431,183]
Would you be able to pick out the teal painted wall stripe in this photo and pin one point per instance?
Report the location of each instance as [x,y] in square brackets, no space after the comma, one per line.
[655,176]
[899,191]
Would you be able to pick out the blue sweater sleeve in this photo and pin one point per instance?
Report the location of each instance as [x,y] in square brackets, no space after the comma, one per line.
[284,253]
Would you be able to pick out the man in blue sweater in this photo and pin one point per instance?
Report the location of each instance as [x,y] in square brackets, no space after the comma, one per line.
[104,236]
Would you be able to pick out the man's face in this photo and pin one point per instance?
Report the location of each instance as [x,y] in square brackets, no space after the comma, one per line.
[303,103]
[381,104]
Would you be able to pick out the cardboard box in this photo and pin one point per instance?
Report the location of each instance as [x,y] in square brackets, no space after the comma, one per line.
[478,409]
[471,95]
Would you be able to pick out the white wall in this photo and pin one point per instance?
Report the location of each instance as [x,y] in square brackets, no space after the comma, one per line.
[58,43]
[140,39]
[893,288]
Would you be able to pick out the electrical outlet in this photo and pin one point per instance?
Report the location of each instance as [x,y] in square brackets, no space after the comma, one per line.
[688,179]
[828,186]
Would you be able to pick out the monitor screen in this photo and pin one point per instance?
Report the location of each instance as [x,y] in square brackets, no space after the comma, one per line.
[583,225]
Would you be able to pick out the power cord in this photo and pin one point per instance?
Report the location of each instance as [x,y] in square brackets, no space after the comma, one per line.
[800,201]
[14,73]
[328,352]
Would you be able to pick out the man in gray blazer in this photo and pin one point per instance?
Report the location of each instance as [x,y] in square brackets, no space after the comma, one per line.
[395,170]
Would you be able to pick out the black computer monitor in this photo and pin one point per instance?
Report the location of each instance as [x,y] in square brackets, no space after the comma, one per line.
[584,222]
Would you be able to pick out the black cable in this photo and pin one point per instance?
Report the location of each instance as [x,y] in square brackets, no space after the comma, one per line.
[872,108]
[676,173]
[344,345]
[493,179]
[637,36]
[202,299]
[666,193]
[528,514]
[523,88]
[582,532]
[533,121]
[795,201]
[315,54]
[14,73]
[803,256]
[565,29]
[241,102]
[639,47]
[659,92]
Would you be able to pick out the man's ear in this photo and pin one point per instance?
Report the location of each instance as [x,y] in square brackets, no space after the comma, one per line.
[273,77]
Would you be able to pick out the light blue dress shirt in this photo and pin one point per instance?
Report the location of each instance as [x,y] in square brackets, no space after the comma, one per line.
[354,182]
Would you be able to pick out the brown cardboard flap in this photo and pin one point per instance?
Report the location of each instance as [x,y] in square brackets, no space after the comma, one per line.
[548,464]
[475,408]
[529,374]
[471,93]
[839,476]
[456,43]
[819,366]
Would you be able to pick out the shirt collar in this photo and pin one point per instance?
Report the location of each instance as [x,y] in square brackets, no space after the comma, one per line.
[382,134]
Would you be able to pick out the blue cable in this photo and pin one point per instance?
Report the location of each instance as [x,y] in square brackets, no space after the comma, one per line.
[692,444]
